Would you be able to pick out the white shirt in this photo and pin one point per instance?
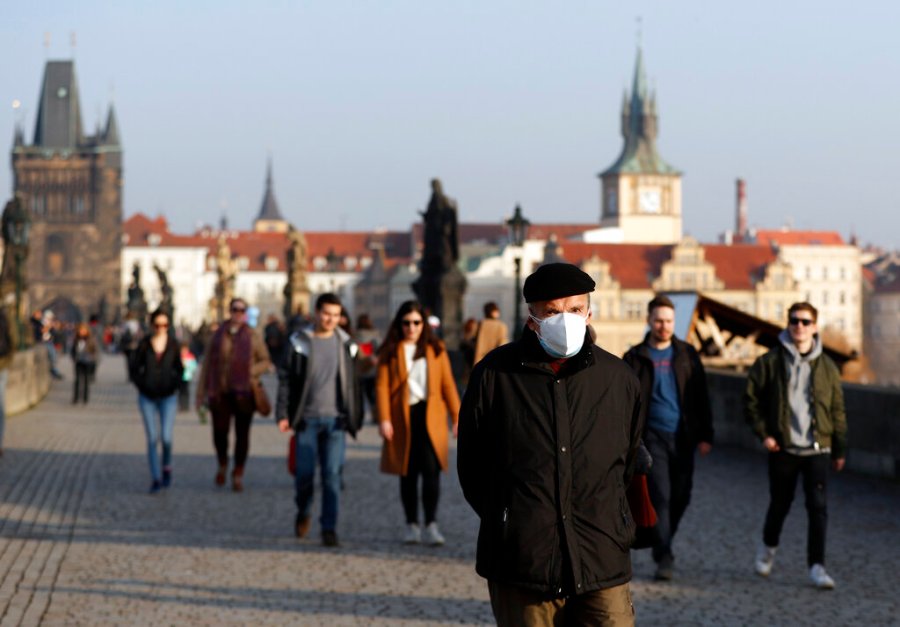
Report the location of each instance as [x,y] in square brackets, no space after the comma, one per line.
[417,370]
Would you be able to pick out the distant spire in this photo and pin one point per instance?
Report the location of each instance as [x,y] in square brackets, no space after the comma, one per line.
[111,134]
[269,209]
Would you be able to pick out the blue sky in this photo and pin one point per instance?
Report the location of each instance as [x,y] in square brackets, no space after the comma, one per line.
[362,103]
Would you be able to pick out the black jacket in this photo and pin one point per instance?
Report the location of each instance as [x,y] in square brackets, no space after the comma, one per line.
[690,379]
[156,378]
[544,459]
[293,382]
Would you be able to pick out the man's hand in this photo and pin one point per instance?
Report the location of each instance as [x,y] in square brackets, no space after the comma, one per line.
[771,445]
[838,464]
[456,430]
[284,425]
[704,448]
[386,429]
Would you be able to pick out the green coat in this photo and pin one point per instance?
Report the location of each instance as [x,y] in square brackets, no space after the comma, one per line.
[767,410]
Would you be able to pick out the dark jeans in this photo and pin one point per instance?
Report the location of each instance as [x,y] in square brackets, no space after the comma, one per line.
[422,461]
[223,409]
[82,381]
[669,482]
[784,469]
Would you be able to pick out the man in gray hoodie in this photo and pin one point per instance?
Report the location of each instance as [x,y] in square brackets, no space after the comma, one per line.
[795,405]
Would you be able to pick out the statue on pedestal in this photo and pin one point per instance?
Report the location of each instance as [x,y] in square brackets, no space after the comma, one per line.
[136,305]
[166,303]
[441,285]
[226,277]
[296,291]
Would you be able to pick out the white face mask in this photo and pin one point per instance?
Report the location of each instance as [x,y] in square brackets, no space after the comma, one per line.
[561,335]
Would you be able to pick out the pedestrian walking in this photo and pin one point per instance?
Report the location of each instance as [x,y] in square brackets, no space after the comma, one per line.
[492,332]
[679,422]
[235,359]
[189,365]
[416,398]
[9,338]
[548,432]
[368,338]
[156,370]
[84,354]
[319,399]
[795,405]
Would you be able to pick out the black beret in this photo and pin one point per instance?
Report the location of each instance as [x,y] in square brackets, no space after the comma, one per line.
[556,280]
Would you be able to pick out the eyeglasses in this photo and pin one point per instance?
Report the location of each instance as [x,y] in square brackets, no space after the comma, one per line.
[238,310]
[412,323]
[804,321]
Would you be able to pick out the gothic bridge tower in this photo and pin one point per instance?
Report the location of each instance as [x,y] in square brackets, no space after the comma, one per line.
[72,187]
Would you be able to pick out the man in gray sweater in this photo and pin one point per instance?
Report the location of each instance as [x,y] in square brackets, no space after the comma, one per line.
[795,405]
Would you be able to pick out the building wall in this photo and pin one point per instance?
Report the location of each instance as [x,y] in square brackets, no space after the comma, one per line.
[882,336]
[830,277]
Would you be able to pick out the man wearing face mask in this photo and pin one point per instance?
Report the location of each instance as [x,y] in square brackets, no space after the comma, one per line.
[548,431]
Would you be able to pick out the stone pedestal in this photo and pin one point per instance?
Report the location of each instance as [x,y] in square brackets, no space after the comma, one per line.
[442,295]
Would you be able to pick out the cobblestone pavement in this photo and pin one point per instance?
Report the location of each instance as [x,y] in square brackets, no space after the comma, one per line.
[81,541]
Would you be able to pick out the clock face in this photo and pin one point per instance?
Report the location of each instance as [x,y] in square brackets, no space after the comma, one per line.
[648,201]
[62,92]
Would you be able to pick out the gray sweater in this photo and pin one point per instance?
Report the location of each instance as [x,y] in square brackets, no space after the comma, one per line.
[799,392]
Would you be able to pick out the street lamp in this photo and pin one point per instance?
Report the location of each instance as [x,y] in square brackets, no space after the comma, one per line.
[16,227]
[518,230]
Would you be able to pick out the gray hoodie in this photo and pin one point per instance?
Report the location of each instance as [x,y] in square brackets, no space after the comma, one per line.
[799,393]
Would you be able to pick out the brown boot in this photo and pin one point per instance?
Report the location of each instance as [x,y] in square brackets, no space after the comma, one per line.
[220,474]
[237,479]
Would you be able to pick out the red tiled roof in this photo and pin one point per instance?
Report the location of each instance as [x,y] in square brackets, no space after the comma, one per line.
[256,246]
[739,266]
[636,266]
[497,232]
[799,238]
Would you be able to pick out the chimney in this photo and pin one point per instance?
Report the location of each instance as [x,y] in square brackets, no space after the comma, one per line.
[741,218]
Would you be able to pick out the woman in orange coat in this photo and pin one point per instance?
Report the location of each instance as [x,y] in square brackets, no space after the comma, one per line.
[415,391]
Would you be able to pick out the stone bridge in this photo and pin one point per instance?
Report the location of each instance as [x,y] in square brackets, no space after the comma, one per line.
[81,541]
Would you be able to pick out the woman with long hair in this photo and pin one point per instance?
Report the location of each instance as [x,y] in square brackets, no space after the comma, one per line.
[415,392]
[84,354]
[156,370]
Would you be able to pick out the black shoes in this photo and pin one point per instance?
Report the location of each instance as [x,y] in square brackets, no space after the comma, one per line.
[329,538]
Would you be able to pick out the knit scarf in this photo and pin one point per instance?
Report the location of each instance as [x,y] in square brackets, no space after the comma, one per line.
[229,361]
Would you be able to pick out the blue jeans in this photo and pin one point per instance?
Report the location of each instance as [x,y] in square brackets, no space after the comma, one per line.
[4,377]
[322,439]
[165,409]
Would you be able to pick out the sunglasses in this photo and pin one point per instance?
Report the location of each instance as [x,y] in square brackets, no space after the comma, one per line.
[411,323]
[238,310]
[164,325]
[804,321]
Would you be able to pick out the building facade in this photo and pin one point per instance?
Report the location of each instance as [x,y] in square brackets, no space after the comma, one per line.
[71,184]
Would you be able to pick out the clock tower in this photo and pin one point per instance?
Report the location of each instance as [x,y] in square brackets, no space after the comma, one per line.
[641,193]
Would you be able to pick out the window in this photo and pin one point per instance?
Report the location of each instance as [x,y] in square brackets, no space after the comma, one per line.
[843,273]
[842,298]
[808,272]
[825,298]
[825,273]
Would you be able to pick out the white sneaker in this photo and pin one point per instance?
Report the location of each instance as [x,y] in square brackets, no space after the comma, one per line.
[413,534]
[765,557]
[820,578]
[433,536]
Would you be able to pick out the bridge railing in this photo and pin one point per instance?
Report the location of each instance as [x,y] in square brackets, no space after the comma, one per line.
[873,422]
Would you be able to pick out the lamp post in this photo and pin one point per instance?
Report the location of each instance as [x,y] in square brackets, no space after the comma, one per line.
[16,227]
[518,230]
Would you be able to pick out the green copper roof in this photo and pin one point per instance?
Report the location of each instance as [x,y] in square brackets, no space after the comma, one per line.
[639,129]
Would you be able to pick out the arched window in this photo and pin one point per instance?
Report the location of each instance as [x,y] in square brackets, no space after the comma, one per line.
[55,261]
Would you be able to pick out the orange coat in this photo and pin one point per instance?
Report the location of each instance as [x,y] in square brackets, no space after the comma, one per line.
[392,402]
